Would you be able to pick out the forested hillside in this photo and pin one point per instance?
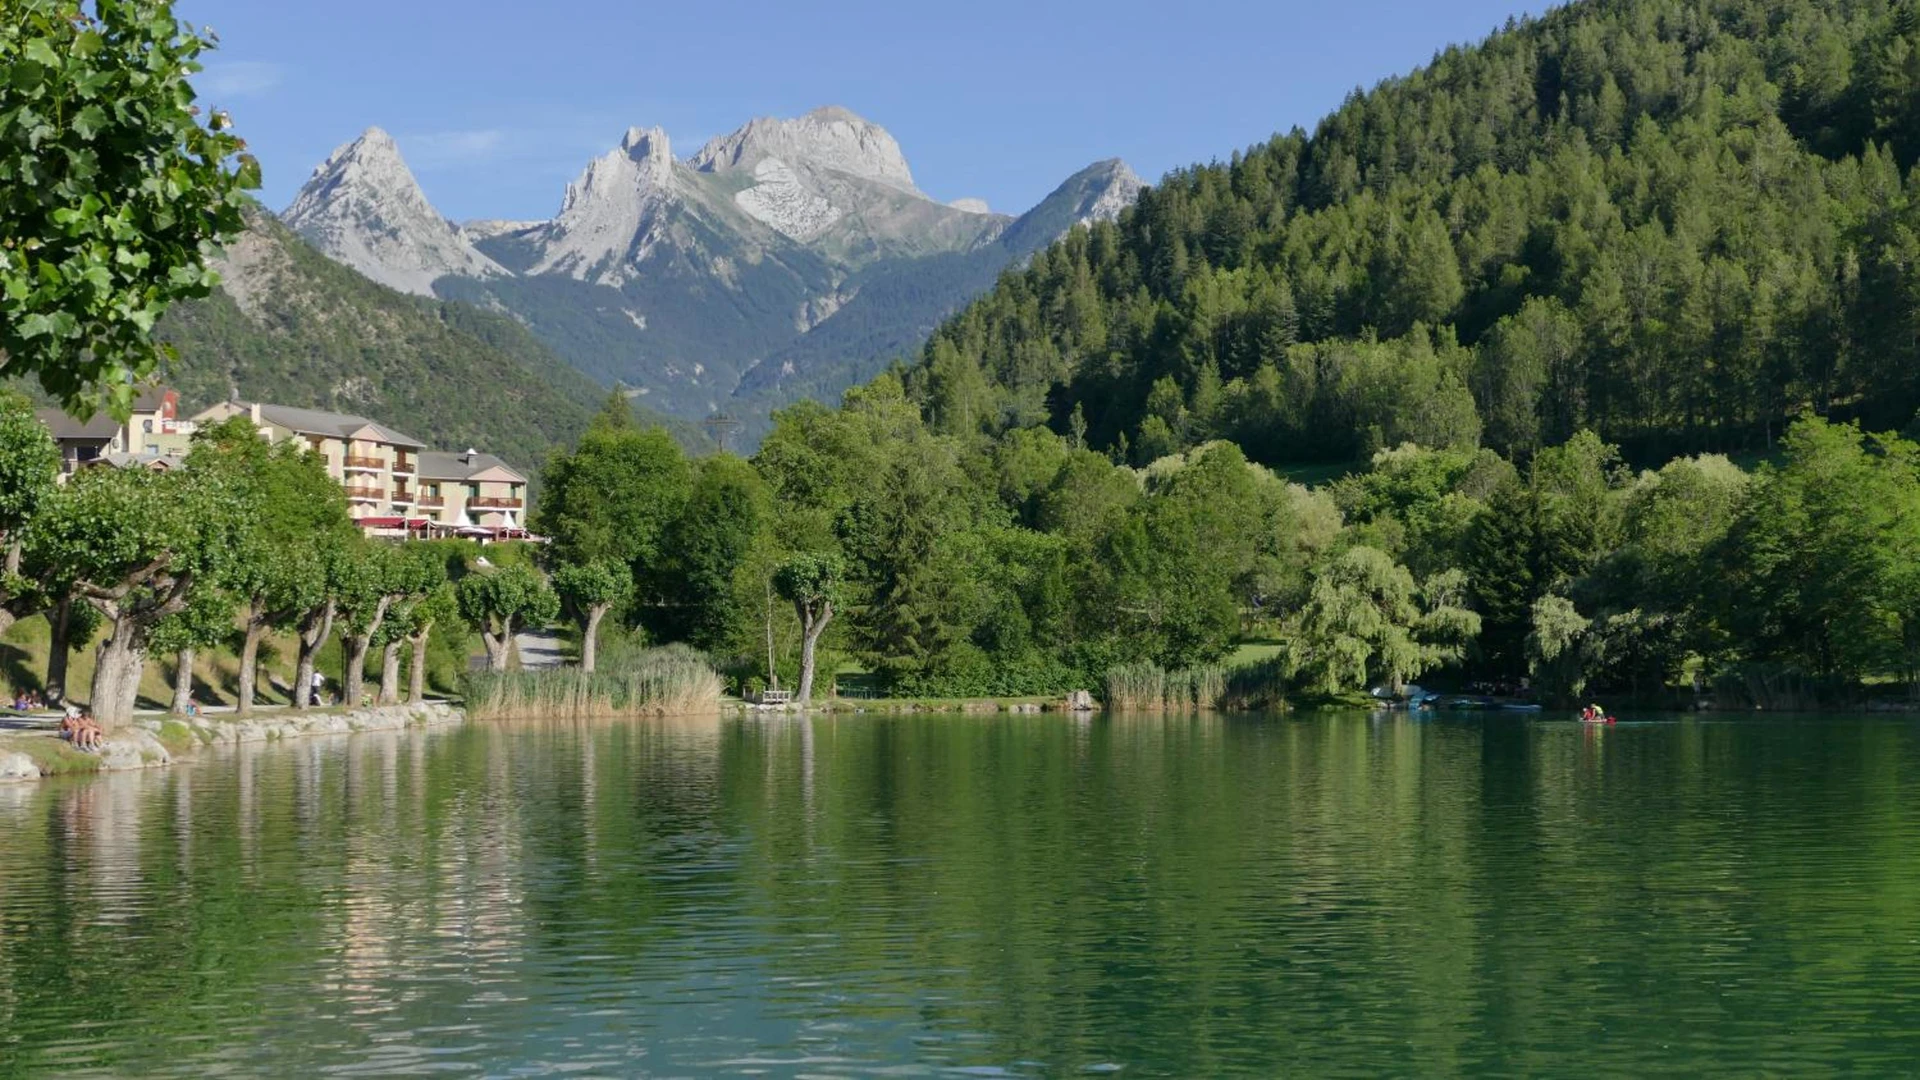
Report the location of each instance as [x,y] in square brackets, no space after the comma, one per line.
[290,326]
[1677,223]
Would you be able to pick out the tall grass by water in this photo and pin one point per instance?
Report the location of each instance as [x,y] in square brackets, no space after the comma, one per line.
[668,681]
[1257,686]
[1146,687]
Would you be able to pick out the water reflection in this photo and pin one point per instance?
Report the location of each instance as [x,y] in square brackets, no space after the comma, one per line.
[849,895]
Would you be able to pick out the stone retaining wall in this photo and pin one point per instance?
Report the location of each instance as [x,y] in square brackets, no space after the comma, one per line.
[139,746]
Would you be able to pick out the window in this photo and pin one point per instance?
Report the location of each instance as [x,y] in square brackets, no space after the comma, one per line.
[146,426]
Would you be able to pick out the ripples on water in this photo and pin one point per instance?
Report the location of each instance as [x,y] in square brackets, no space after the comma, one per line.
[1324,895]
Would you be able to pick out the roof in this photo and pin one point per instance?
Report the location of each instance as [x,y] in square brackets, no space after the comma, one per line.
[335,425]
[157,462]
[436,465]
[102,428]
[151,399]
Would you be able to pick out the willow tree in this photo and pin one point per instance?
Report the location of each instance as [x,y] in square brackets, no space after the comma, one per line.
[114,191]
[1366,621]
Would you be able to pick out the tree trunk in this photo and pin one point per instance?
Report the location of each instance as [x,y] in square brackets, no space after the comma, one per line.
[773,672]
[182,681]
[390,673]
[812,628]
[250,662]
[358,645]
[354,676]
[116,675]
[59,650]
[497,644]
[313,633]
[590,641]
[417,675]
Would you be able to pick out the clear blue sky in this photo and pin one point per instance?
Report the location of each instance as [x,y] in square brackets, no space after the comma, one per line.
[498,103]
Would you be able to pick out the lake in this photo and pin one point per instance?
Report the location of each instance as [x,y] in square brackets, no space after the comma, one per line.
[1325,895]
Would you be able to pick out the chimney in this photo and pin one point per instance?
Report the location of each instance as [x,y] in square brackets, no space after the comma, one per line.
[253,412]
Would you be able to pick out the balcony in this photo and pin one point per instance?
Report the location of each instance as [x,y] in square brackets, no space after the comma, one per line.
[356,461]
[432,502]
[403,466]
[365,494]
[492,502]
[403,497]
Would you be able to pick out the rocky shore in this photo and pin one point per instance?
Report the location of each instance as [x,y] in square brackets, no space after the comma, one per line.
[155,742]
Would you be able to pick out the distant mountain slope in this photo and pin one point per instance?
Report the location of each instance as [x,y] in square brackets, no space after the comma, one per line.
[1676,222]
[290,326]
[897,303]
[674,278]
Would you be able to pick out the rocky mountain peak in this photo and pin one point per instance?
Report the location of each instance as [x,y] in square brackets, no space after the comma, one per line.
[1099,192]
[1118,186]
[642,143]
[830,137]
[364,208]
[600,225]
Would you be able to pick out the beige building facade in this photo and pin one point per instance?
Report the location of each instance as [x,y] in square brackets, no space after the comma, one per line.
[154,435]
[395,486]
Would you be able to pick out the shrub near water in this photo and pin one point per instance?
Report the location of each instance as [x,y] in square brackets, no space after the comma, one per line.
[668,681]
[1144,687]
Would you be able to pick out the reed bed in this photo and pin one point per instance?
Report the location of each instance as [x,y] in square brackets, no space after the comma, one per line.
[669,681]
[1146,687]
[1257,686]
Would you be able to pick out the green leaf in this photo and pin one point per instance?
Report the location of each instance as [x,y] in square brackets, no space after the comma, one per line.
[38,51]
[88,121]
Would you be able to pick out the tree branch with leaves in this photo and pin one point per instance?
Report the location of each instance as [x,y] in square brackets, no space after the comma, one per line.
[114,192]
[813,583]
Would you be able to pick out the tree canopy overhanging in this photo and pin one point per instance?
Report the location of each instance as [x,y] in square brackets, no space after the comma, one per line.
[115,188]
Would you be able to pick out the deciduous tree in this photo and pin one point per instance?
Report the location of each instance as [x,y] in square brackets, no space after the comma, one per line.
[114,190]
[135,542]
[589,592]
[812,583]
[293,518]
[500,603]
[28,465]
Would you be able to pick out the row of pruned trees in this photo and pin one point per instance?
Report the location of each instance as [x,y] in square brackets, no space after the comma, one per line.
[246,541]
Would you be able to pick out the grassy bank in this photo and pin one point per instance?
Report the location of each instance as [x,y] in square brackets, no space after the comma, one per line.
[668,681]
[53,757]
[24,650]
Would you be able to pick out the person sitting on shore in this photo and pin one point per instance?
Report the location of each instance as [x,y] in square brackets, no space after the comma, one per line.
[80,729]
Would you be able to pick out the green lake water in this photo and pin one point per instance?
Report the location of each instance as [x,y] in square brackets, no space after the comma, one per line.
[1322,895]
